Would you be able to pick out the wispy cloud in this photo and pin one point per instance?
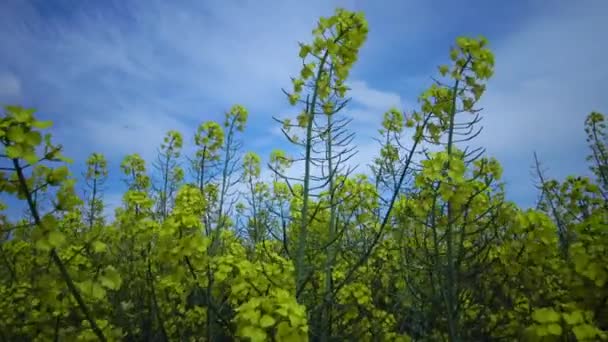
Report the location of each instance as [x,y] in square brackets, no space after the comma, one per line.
[10,87]
[368,97]
[115,77]
[185,63]
[549,75]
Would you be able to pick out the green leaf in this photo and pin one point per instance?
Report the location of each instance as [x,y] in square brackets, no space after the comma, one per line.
[545,315]
[541,330]
[304,50]
[574,317]
[554,329]
[453,54]
[14,151]
[99,246]
[33,138]
[16,134]
[56,239]
[58,175]
[584,331]
[267,321]
[110,278]
[43,245]
[13,109]
[42,124]
[92,289]
[21,114]
[97,291]
[255,334]
[293,99]
[30,157]
[283,329]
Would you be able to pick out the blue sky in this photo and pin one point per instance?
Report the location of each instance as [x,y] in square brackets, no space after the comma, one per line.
[116,75]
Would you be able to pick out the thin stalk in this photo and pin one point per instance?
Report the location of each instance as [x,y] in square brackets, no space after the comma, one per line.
[327,308]
[450,272]
[55,257]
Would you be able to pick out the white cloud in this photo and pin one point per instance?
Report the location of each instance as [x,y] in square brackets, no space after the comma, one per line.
[369,106]
[135,131]
[173,66]
[368,97]
[167,67]
[549,76]
[10,86]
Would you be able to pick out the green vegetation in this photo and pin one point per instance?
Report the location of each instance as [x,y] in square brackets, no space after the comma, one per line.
[425,248]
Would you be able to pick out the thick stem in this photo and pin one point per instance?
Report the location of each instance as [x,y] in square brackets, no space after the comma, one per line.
[225,175]
[300,267]
[201,180]
[450,272]
[165,187]
[159,316]
[599,154]
[327,308]
[452,291]
[256,230]
[93,198]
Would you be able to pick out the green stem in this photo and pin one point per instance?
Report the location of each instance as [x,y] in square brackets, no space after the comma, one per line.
[93,197]
[55,257]
[300,267]
[327,308]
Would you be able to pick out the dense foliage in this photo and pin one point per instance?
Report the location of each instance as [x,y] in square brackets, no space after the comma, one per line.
[422,247]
